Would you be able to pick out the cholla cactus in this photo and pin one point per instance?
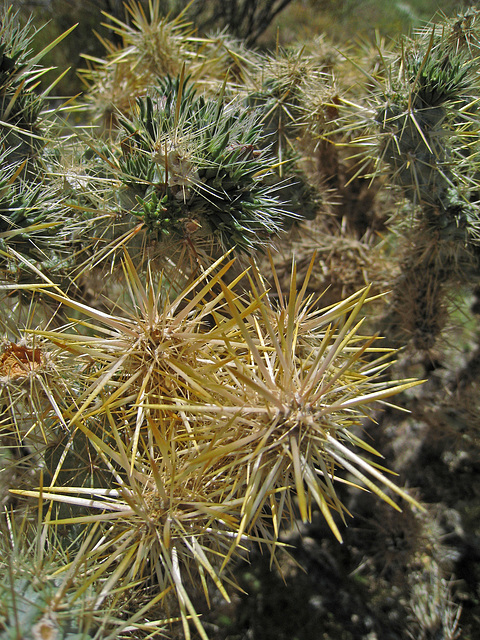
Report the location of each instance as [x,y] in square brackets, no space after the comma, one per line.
[422,109]
[202,407]
[35,388]
[211,414]
[153,46]
[195,173]
[36,231]
[428,123]
[433,610]
[19,74]
[22,105]
[34,602]
[281,84]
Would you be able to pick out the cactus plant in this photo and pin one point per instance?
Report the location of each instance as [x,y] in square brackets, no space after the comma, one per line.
[35,226]
[34,602]
[204,428]
[423,111]
[195,173]
[188,395]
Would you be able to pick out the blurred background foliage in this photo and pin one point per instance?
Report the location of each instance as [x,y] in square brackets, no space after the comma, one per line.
[261,23]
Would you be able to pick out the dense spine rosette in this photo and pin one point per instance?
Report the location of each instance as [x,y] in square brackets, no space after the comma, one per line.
[196,169]
[212,413]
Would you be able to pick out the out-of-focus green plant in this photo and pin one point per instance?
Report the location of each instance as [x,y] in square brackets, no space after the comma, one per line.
[34,601]
[420,123]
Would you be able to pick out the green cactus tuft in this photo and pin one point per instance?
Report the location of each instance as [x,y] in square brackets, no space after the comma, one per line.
[198,168]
